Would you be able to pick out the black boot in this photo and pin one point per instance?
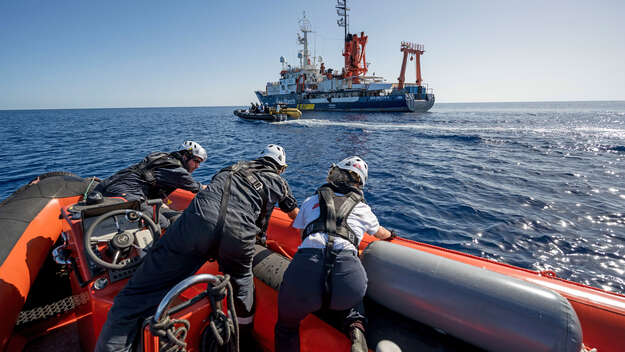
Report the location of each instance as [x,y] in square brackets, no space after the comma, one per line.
[357,336]
[247,341]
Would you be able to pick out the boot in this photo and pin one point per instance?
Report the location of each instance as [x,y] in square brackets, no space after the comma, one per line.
[357,335]
[247,341]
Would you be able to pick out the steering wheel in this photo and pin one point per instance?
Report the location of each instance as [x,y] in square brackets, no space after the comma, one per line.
[125,247]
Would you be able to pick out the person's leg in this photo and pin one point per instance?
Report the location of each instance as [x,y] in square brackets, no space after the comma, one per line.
[235,259]
[301,293]
[163,221]
[349,284]
[159,272]
[354,324]
[170,214]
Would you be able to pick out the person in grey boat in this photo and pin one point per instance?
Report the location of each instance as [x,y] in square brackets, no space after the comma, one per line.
[325,272]
[221,223]
[157,175]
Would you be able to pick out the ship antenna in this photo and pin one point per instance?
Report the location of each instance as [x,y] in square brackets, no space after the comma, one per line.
[341,10]
[304,27]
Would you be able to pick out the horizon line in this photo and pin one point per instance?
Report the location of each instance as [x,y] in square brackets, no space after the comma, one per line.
[232,106]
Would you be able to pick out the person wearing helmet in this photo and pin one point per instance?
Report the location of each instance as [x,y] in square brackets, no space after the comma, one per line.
[222,222]
[325,272]
[157,175]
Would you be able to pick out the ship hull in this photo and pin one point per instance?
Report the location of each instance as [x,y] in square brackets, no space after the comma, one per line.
[388,103]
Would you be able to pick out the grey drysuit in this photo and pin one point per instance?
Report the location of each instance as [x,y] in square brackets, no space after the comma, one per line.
[194,238]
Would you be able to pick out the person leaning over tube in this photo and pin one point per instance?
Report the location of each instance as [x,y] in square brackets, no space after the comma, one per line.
[325,272]
[221,223]
[157,175]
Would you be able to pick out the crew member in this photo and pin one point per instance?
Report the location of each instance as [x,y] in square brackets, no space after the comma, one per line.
[221,223]
[326,271]
[157,175]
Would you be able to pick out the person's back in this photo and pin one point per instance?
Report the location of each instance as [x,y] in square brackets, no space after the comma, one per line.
[157,175]
[248,208]
[325,272]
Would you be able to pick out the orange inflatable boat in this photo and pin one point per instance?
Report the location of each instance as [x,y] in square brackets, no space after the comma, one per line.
[64,258]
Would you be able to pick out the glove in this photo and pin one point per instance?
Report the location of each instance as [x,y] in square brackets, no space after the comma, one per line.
[392,236]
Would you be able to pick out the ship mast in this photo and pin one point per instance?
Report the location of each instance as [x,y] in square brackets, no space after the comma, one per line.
[304,27]
[354,50]
[341,10]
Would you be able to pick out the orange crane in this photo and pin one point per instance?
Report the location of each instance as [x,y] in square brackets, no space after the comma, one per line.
[355,58]
[413,50]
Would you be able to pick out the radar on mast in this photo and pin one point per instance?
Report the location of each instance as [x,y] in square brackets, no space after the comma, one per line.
[341,10]
[304,23]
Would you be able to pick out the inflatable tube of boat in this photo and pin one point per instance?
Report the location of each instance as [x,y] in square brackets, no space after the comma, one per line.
[30,224]
[485,308]
[269,267]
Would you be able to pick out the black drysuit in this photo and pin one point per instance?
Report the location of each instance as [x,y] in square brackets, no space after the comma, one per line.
[157,175]
[197,236]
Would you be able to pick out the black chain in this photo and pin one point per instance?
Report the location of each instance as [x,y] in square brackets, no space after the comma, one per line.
[59,307]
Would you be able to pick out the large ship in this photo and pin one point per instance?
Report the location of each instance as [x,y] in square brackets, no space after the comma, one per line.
[312,86]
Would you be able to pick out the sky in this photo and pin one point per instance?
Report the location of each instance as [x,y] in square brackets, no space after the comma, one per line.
[105,54]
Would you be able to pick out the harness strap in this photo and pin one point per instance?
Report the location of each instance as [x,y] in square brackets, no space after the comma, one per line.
[331,220]
[328,268]
[327,208]
[144,169]
[326,204]
[161,160]
[341,218]
[223,206]
[242,168]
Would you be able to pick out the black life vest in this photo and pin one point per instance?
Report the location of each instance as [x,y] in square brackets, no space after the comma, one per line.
[145,171]
[334,211]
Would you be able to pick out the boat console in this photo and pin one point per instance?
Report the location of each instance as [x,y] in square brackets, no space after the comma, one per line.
[104,244]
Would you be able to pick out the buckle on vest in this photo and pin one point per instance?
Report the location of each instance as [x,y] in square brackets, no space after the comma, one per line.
[352,238]
[258,185]
[255,182]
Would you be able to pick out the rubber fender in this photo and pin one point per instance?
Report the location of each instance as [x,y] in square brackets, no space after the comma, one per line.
[485,308]
[384,324]
[269,267]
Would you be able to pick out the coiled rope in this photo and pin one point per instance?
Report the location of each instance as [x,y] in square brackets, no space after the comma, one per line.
[222,334]
[171,337]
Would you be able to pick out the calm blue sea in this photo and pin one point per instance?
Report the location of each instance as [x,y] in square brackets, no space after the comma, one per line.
[537,185]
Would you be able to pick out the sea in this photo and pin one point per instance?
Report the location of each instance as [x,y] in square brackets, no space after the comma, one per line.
[537,185]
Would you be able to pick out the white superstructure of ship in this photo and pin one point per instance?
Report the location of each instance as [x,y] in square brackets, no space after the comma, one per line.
[312,86]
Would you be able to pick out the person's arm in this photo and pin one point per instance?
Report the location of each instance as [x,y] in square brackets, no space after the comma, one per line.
[382,233]
[293,213]
[288,203]
[178,178]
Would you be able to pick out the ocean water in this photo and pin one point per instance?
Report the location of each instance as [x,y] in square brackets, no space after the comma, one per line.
[537,185]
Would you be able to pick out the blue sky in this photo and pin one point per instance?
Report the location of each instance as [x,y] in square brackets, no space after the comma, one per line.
[81,54]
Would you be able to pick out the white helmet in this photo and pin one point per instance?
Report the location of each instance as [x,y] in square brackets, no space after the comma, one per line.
[276,153]
[357,165]
[195,149]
